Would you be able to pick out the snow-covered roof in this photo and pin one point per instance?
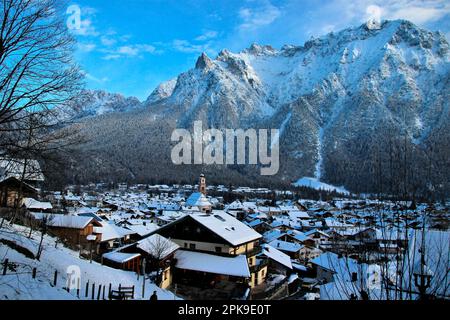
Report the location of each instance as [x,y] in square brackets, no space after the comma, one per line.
[297,214]
[273,234]
[286,246]
[331,261]
[277,255]
[110,231]
[157,246]
[299,267]
[33,204]
[311,232]
[298,235]
[333,223]
[142,229]
[197,199]
[235,205]
[227,227]
[72,222]
[120,257]
[255,223]
[203,262]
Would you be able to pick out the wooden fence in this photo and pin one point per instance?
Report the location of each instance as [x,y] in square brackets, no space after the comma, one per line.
[89,291]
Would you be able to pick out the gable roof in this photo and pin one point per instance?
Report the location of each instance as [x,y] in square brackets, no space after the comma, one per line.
[110,231]
[120,257]
[196,261]
[286,246]
[227,227]
[277,255]
[197,199]
[71,222]
[31,203]
[26,187]
[157,246]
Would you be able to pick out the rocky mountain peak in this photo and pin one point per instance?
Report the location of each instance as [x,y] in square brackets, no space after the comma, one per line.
[203,62]
[258,50]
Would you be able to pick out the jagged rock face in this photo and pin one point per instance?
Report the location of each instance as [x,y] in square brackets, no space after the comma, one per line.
[163,91]
[343,102]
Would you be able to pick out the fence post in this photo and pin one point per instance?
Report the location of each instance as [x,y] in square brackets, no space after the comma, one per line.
[93,291]
[55,279]
[78,288]
[5,266]
[99,291]
[87,289]
[109,291]
[34,273]
[69,280]
[103,296]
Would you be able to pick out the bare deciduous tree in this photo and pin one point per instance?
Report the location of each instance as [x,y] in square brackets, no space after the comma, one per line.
[37,71]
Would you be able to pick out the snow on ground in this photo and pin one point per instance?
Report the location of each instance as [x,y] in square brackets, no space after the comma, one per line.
[316,184]
[21,286]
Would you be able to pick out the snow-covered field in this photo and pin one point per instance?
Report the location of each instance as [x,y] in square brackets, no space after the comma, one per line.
[19,284]
[317,185]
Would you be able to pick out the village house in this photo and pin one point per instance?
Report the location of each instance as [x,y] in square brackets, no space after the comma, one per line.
[159,253]
[13,191]
[220,234]
[289,248]
[122,260]
[110,236]
[33,205]
[279,262]
[73,230]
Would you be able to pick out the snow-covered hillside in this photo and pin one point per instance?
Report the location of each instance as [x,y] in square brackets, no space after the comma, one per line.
[19,284]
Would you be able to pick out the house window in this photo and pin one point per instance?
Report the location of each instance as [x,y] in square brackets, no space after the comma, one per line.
[185,245]
[192,246]
[219,249]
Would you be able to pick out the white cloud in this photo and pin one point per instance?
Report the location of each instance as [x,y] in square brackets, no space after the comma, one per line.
[188,47]
[419,15]
[86,47]
[90,77]
[417,11]
[207,35]
[108,41]
[112,57]
[253,18]
[130,51]
[339,14]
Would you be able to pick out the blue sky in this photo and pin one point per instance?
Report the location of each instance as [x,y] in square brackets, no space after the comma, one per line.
[131,46]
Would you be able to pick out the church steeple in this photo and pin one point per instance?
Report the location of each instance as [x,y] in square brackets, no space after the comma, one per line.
[202,184]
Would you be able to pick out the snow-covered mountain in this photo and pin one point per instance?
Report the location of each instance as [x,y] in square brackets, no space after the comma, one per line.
[347,103]
[96,102]
[395,57]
